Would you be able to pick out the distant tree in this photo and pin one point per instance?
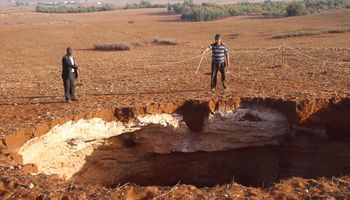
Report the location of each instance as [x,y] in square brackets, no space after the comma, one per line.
[169,7]
[106,7]
[296,9]
[178,7]
[21,3]
[188,3]
[145,4]
[129,6]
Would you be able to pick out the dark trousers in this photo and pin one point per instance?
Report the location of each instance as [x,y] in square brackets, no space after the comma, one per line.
[69,88]
[215,67]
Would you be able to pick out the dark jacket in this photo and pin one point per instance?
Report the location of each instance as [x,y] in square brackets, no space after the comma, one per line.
[67,68]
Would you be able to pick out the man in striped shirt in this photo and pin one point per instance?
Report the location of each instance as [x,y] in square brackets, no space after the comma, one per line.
[220,60]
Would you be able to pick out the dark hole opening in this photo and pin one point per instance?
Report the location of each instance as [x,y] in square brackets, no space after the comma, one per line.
[301,156]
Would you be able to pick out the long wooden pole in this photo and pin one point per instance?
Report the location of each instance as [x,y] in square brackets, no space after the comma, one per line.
[200,62]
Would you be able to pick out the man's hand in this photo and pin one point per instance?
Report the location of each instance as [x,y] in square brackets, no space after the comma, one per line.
[205,50]
[227,58]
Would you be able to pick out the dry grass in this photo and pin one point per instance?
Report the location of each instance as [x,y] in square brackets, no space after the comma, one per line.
[120,46]
[123,46]
[162,41]
[297,34]
[341,30]
[139,43]
[310,33]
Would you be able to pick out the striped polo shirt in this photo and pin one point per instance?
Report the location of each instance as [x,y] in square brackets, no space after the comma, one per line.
[218,53]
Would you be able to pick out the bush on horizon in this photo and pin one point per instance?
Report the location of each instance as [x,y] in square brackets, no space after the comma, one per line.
[73,9]
[144,4]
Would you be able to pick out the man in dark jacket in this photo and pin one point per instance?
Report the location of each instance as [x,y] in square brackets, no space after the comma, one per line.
[220,60]
[69,74]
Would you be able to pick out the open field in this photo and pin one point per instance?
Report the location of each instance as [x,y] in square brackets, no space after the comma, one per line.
[32,101]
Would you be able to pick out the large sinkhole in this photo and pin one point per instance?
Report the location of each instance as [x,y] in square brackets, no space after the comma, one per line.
[254,146]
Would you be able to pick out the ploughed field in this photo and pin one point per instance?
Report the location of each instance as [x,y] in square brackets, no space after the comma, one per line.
[147,126]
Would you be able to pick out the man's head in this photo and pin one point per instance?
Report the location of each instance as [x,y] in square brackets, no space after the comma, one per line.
[218,39]
[69,51]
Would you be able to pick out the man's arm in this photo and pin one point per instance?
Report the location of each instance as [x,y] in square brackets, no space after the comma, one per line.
[227,56]
[206,50]
[63,62]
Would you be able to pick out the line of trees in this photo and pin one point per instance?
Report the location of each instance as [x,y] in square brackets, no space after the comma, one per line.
[144,4]
[73,9]
[208,11]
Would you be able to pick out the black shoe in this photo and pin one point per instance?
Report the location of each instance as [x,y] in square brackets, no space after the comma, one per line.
[224,85]
[75,99]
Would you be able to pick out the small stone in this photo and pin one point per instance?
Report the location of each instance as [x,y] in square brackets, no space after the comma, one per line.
[12,167]
[31,186]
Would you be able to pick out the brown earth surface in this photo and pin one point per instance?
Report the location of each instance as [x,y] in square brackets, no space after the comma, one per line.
[149,79]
